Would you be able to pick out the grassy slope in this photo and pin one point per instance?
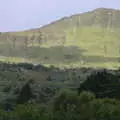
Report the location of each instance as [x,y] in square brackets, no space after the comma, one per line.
[85,43]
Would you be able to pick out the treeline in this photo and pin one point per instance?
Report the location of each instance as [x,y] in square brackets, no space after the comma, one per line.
[26,66]
[67,106]
[96,98]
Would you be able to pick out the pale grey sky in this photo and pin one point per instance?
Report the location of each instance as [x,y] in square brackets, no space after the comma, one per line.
[25,14]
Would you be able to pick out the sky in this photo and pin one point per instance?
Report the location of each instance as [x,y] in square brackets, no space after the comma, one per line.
[17,15]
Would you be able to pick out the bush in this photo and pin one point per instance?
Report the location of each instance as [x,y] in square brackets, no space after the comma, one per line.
[86,97]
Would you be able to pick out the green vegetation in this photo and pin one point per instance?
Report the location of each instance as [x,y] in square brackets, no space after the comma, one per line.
[89,39]
[35,92]
[63,83]
[68,107]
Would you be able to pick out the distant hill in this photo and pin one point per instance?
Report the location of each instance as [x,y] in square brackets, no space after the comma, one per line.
[98,16]
[102,17]
[90,38]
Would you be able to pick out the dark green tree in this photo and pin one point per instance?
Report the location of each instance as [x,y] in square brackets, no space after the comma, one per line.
[25,94]
[103,84]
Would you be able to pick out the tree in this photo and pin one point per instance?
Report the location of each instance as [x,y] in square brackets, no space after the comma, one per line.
[63,40]
[26,42]
[32,39]
[103,84]
[25,94]
[14,42]
[105,49]
[40,38]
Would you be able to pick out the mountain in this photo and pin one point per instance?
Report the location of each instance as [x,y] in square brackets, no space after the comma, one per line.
[90,39]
